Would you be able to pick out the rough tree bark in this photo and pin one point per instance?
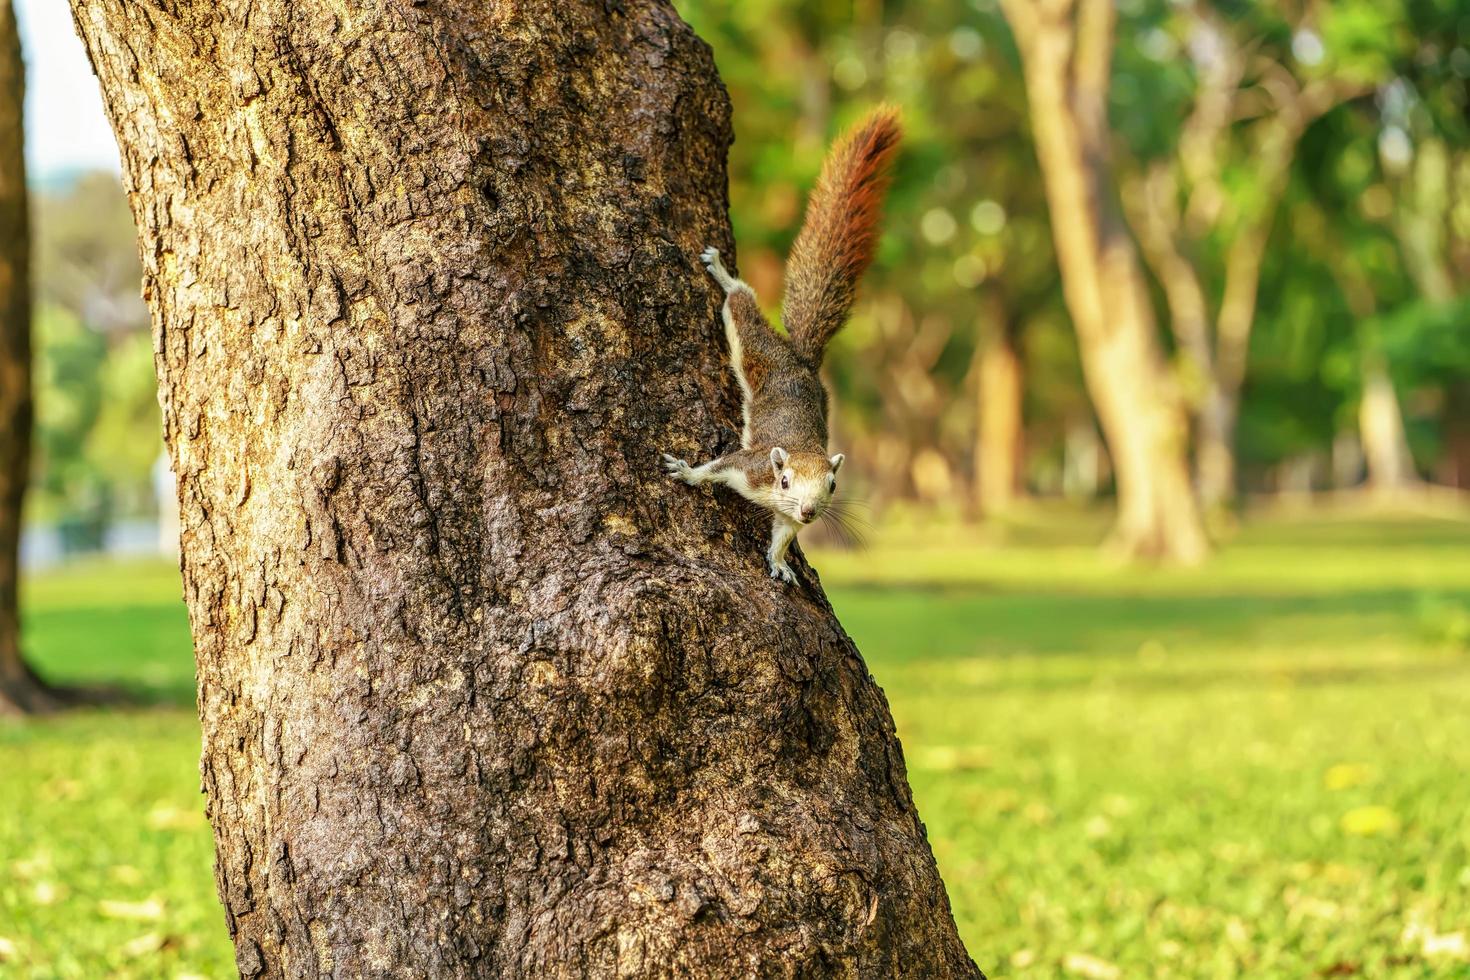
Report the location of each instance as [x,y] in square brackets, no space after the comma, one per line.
[1066,49]
[21,691]
[483,694]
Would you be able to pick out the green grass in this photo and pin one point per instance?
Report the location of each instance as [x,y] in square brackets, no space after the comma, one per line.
[1259,768]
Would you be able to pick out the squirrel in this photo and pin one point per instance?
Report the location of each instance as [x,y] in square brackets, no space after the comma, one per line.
[782,464]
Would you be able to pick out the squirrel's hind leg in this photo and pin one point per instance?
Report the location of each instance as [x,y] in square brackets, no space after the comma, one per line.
[711,259]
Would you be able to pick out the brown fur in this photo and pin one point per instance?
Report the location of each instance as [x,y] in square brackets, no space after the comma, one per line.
[785,403]
[836,242]
[762,347]
[754,463]
[788,403]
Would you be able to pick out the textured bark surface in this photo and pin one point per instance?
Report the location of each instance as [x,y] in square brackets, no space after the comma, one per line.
[483,693]
[1066,49]
[20,690]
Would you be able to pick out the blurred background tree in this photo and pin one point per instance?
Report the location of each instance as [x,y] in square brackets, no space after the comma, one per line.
[1281,212]
[97,420]
[20,689]
[1283,187]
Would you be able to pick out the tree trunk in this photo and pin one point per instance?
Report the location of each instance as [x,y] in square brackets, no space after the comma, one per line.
[1454,460]
[483,693]
[999,425]
[1380,420]
[21,691]
[1381,423]
[1170,234]
[1067,59]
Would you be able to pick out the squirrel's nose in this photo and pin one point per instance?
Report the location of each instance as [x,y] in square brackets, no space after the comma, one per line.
[808,511]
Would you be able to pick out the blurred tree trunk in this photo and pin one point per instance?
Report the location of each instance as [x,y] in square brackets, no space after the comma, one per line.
[907,465]
[484,694]
[20,690]
[1380,421]
[1454,467]
[1421,220]
[1381,424]
[999,419]
[1066,48]
[1179,201]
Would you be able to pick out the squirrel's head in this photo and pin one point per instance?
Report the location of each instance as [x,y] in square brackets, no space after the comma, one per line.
[803,483]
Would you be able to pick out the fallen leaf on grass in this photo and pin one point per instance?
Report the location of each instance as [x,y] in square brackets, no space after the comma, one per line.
[46,892]
[1370,821]
[1038,813]
[149,942]
[126,874]
[1083,965]
[1003,800]
[32,867]
[1346,776]
[62,790]
[952,758]
[149,910]
[1450,945]
[165,817]
[1311,907]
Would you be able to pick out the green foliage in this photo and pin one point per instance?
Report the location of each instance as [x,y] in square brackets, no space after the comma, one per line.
[126,439]
[97,421]
[86,254]
[68,360]
[98,429]
[1250,770]
[967,248]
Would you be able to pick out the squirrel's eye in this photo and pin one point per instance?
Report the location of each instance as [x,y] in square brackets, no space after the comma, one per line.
[785,482]
[832,484]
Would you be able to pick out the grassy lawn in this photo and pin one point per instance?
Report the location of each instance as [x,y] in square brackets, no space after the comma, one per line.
[1260,768]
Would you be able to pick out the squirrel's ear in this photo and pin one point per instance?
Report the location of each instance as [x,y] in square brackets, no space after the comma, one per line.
[836,462]
[778,459]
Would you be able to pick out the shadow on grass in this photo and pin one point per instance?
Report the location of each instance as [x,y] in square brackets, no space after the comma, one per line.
[938,619]
[1259,680]
[125,656]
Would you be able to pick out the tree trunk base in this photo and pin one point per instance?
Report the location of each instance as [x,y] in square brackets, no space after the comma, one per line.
[24,693]
[1157,543]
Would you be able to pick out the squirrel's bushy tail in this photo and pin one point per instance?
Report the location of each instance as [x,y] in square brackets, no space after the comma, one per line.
[836,242]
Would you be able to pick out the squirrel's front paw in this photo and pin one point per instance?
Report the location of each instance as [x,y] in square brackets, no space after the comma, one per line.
[710,256]
[781,571]
[678,469]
